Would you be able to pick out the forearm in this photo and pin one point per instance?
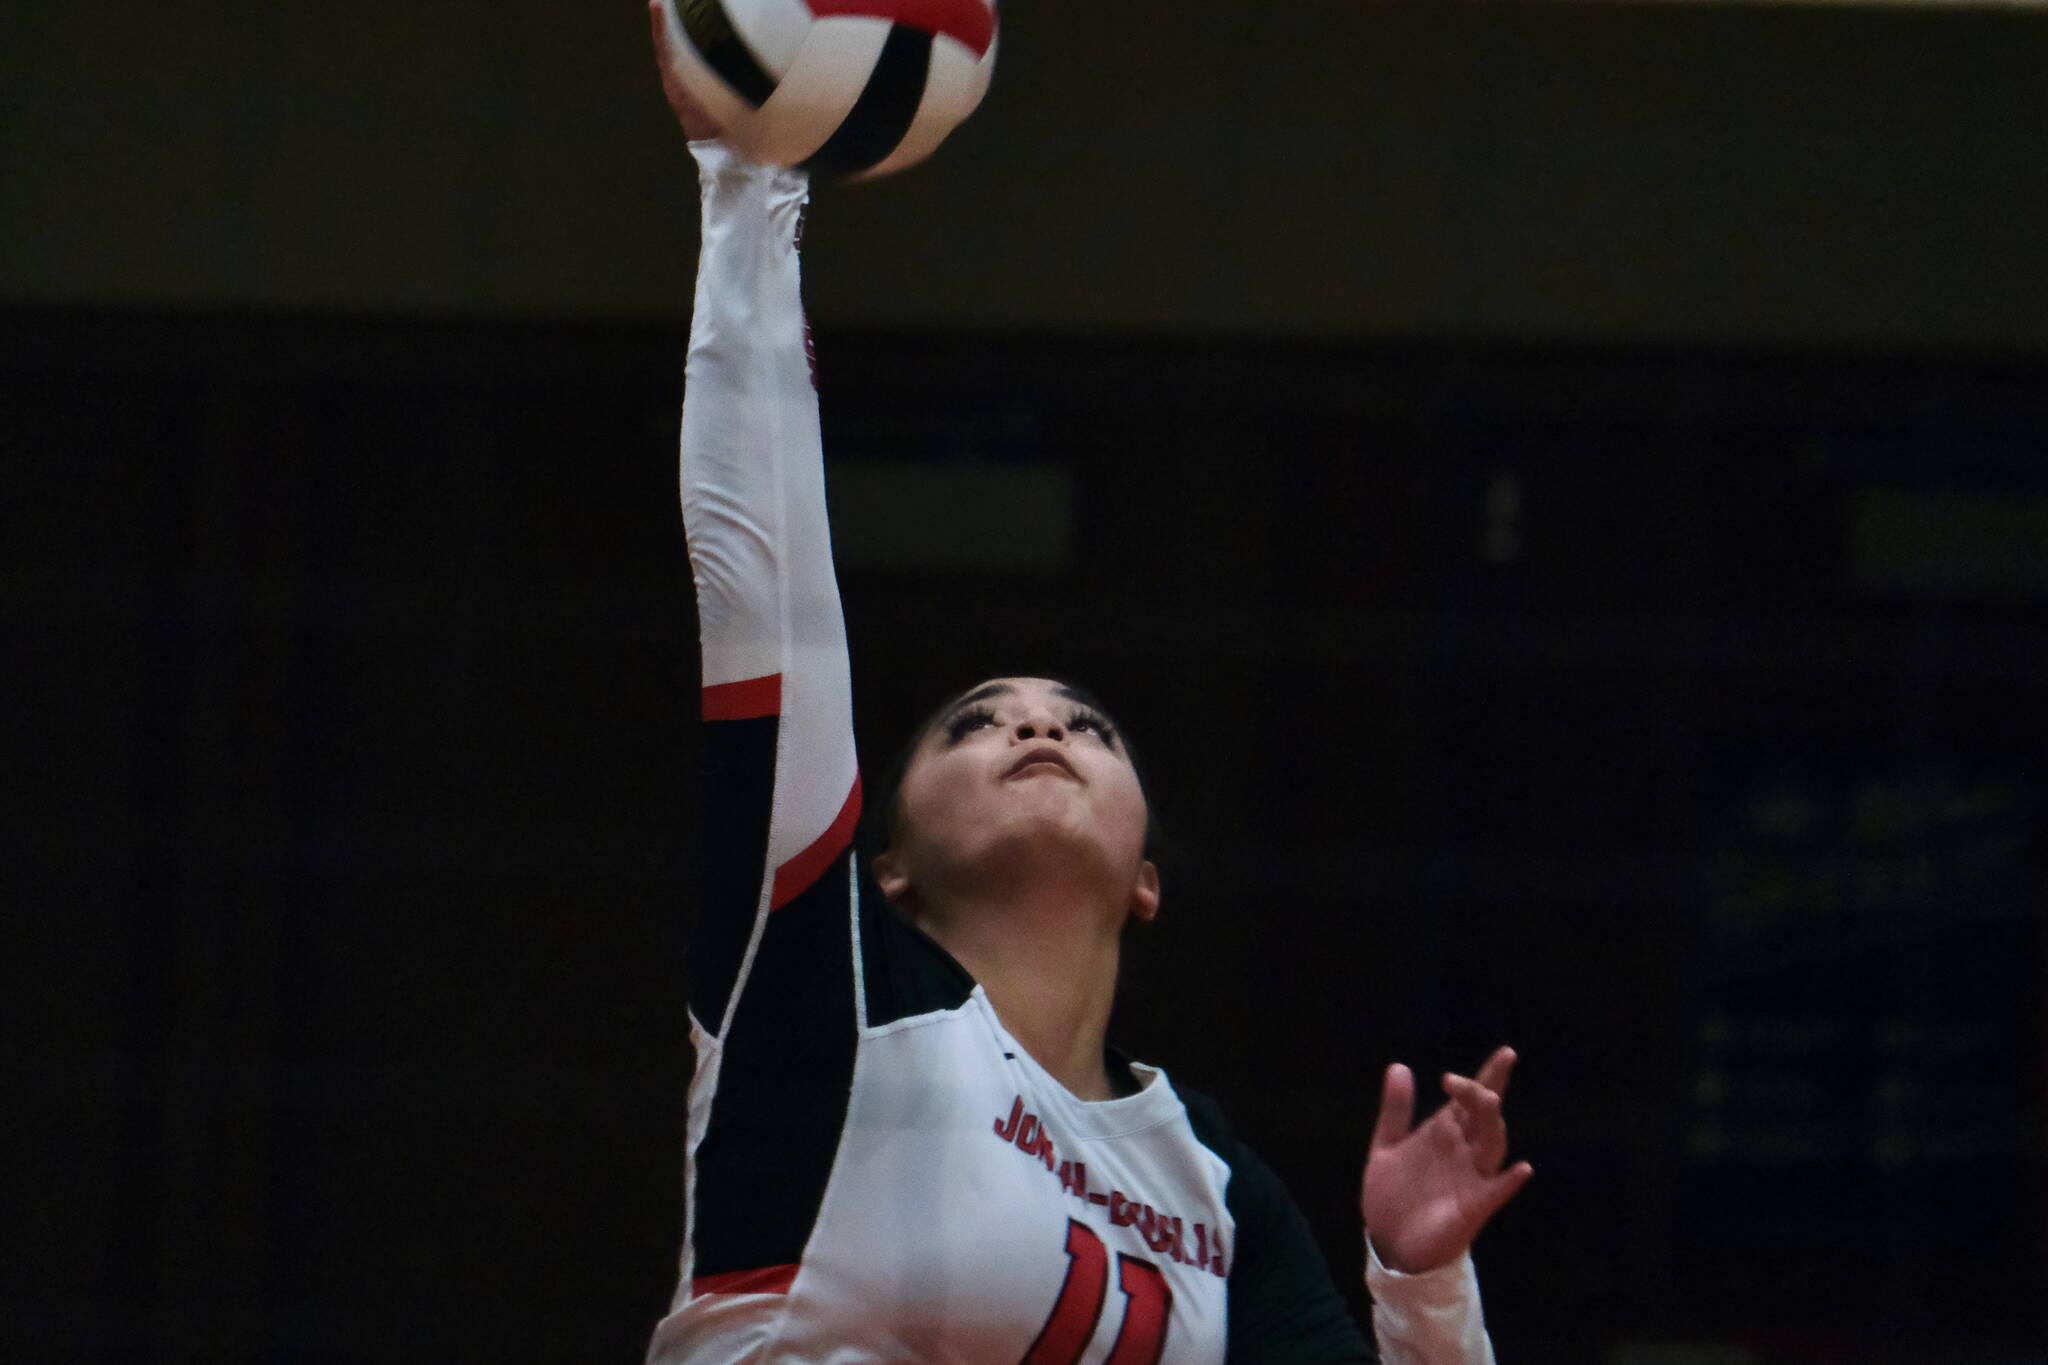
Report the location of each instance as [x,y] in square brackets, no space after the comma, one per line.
[1433,1318]
[752,490]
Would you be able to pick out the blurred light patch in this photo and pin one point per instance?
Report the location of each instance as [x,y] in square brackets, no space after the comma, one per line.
[972,517]
[1949,545]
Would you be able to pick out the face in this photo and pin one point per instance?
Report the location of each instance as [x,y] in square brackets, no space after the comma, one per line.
[1015,770]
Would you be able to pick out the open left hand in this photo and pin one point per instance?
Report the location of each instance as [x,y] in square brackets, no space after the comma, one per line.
[1428,1191]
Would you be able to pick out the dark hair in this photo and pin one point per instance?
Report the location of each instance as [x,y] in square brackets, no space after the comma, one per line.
[878,806]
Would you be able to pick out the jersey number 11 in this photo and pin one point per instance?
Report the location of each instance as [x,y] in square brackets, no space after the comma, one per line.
[1067,1330]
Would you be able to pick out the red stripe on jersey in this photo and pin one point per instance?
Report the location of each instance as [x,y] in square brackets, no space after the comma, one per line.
[744,700]
[774,1279]
[794,877]
[971,23]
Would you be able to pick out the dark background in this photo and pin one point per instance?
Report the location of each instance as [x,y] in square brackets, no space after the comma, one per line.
[1557,491]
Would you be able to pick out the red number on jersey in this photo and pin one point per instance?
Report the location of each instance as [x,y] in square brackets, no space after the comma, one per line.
[1066,1331]
[1146,1301]
[1141,1338]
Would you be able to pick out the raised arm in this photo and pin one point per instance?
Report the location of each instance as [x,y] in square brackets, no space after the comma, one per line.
[784,791]
[1428,1190]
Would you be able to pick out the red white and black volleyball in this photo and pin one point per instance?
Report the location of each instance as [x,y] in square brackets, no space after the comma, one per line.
[846,89]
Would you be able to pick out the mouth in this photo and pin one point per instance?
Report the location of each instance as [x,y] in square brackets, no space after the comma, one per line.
[1044,758]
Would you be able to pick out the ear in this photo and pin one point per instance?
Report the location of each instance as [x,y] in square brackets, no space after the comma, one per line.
[1145,892]
[890,877]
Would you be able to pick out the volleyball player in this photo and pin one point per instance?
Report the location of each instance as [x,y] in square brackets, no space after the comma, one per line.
[908,1139]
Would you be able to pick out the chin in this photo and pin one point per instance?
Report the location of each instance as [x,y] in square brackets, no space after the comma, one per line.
[1047,844]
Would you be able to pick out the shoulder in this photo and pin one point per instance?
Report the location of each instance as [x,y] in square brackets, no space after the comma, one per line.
[1256,1197]
[905,973]
[1205,1116]
[1253,1185]
[1284,1306]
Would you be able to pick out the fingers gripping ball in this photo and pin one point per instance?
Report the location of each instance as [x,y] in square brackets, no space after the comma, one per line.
[845,89]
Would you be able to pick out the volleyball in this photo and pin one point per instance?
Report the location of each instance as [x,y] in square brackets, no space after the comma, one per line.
[845,89]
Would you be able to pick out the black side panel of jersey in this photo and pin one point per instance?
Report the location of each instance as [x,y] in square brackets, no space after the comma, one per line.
[732,848]
[783,1087]
[1283,1308]
[906,973]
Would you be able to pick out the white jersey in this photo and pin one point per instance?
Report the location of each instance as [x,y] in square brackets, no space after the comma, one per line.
[877,1171]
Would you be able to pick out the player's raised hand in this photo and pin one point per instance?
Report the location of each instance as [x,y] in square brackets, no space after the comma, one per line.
[1428,1190]
[697,124]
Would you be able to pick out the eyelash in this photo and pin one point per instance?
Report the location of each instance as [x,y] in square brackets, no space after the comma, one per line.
[1083,718]
[971,719]
[1096,721]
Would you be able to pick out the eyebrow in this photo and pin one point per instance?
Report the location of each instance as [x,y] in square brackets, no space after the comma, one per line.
[988,690]
[982,693]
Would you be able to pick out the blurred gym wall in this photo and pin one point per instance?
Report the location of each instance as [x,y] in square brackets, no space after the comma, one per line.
[1752,174]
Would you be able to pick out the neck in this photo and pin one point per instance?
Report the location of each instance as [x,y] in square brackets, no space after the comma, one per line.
[1048,964]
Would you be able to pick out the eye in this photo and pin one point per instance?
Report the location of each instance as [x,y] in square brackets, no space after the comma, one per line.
[1094,723]
[963,723]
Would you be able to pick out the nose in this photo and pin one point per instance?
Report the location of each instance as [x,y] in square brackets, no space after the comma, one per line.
[1038,722]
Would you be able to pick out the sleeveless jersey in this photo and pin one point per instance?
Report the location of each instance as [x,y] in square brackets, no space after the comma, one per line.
[876,1170]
